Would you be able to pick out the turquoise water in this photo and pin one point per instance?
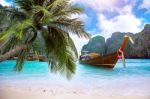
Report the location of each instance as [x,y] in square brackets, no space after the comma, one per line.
[135,68]
[35,69]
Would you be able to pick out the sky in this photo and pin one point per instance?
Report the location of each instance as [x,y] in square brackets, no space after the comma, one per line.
[103,17]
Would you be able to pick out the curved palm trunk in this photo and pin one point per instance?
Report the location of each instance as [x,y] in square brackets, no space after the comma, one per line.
[17,49]
[13,52]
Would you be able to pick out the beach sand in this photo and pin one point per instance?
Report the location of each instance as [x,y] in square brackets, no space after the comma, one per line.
[80,92]
[13,93]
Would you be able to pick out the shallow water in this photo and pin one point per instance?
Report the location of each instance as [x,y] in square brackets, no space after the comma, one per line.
[134,78]
[134,67]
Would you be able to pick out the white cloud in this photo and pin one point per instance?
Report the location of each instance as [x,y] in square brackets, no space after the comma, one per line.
[126,21]
[4,3]
[93,31]
[84,17]
[125,10]
[99,5]
[123,21]
[105,5]
[145,5]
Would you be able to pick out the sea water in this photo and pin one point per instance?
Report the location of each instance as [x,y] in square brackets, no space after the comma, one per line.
[32,69]
[135,78]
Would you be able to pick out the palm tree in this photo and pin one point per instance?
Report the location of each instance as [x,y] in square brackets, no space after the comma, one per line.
[49,22]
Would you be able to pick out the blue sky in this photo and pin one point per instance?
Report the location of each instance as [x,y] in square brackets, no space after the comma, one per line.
[103,17]
[108,16]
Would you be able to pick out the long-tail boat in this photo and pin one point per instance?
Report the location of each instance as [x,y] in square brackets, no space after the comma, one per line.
[107,60]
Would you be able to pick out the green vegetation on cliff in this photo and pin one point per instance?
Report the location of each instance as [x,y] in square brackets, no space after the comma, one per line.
[94,45]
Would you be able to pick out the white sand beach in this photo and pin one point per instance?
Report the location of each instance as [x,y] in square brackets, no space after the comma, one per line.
[17,93]
[55,90]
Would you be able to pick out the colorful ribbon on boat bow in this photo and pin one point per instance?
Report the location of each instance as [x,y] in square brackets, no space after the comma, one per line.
[120,52]
[121,56]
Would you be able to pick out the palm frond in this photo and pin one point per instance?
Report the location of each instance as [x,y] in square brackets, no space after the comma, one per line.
[13,13]
[74,26]
[8,44]
[21,27]
[23,53]
[20,60]
[57,4]
[39,2]
[5,34]
[48,2]
[58,49]
[70,66]
[16,29]
[72,46]
[25,5]
[68,10]
[46,15]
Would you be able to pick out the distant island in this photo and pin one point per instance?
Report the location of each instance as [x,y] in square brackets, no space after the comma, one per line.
[140,48]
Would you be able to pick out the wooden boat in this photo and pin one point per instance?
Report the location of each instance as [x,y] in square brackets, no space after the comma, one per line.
[34,57]
[108,60]
[42,58]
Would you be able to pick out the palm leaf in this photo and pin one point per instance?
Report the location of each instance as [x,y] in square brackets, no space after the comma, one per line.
[56,42]
[74,26]
[26,5]
[20,60]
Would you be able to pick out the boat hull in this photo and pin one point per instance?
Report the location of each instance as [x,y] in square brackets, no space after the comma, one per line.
[108,60]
